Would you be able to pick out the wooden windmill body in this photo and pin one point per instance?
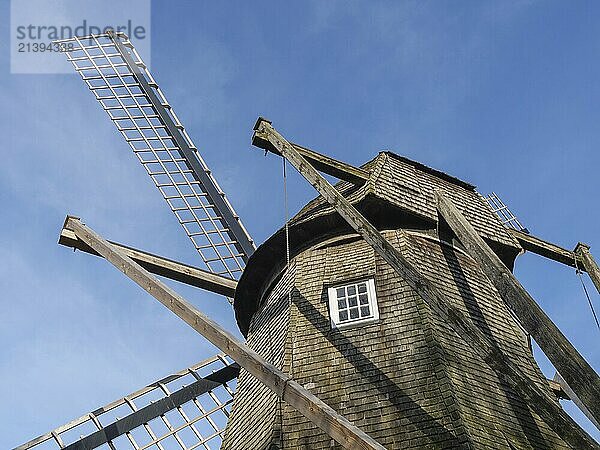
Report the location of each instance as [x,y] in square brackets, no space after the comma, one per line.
[405,377]
[437,355]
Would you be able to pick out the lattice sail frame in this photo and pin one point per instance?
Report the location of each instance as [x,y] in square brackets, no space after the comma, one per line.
[120,81]
[190,422]
[508,219]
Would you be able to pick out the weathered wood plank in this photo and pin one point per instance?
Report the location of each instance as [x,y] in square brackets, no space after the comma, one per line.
[159,265]
[509,372]
[573,397]
[589,263]
[544,248]
[325,164]
[335,425]
[566,359]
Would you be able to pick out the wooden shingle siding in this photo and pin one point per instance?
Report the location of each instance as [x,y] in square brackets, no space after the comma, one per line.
[491,410]
[254,416]
[356,370]
[406,380]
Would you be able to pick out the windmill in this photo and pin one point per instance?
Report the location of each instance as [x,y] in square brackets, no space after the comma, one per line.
[383,315]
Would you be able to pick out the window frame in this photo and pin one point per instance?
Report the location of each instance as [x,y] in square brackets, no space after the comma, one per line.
[334,310]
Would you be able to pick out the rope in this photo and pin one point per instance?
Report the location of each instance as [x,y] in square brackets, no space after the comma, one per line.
[287,268]
[287,215]
[287,252]
[587,294]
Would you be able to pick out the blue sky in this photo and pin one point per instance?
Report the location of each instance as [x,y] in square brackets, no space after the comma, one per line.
[501,94]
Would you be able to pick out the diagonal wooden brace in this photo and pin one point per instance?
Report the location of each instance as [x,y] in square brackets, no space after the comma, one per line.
[578,374]
[332,423]
[506,370]
[573,397]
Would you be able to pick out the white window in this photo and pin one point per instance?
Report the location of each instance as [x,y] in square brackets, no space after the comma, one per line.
[353,303]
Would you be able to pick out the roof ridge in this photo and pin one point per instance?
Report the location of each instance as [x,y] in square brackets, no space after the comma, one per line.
[438,173]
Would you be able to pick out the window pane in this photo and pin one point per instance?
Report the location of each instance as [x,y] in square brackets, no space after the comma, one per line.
[352,303]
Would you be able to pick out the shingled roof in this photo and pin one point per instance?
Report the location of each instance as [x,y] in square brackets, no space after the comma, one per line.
[410,185]
[399,190]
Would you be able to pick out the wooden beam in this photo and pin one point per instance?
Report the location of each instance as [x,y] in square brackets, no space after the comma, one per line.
[325,164]
[159,265]
[566,359]
[573,397]
[544,248]
[589,264]
[332,423]
[506,370]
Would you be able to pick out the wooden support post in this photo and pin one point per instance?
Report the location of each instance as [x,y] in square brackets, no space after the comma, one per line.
[332,423]
[589,264]
[160,266]
[510,373]
[566,359]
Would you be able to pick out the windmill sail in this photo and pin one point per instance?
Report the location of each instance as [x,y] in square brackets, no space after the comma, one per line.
[508,219]
[120,81]
[186,410]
